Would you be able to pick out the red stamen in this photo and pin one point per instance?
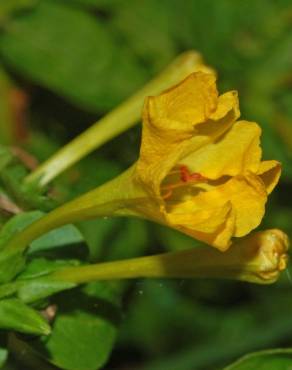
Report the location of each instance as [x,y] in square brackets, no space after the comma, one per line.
[186,175]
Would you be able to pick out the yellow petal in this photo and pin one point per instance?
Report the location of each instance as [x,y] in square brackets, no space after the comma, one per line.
[165,141]
[234,153]
[247,195]
[270,172]
[220,121]
[226,103]
[213,226]
[190,102]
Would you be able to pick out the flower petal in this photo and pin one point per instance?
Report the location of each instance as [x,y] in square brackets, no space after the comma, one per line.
[236,152]
[226,102]
[270,172]
[247,195]
[220,121]
[165,141]
[190,102]
[214,226]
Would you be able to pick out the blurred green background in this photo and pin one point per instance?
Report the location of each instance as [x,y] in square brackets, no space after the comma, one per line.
[65,63]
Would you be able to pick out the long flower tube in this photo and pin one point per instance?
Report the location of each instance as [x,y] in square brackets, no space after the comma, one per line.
[117,121]
[114,198]
[257,258]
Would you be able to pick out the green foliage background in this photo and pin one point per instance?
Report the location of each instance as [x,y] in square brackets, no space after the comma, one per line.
[63,64]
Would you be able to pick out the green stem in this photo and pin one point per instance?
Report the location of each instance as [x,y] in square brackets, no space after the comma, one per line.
[111,199]
[188,263]
[247,260]
[114,123]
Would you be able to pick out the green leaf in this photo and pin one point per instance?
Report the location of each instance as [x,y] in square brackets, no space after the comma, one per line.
[109,71]
[13,261]
[37,289]
[34,283]
[17,224]
[40,267]
[84,330]
[64,236]
[274,359]
[15,315]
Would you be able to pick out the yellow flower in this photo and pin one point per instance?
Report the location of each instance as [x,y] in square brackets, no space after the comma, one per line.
[200,166]
[199,170]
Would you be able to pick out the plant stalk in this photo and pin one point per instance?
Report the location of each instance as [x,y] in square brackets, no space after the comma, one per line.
[258,258]
[110,199]
[114,123]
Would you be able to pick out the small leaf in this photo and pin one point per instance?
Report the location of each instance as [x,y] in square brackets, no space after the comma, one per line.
[15,315]
[65,235]
[37,289]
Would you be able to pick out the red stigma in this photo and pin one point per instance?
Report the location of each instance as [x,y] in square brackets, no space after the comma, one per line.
[186,175]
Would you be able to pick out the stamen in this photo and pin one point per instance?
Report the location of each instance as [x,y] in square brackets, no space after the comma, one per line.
[186,175]
[186,178]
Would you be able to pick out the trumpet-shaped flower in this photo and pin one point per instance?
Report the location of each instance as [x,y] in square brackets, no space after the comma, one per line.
[199,171]
[200,166]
